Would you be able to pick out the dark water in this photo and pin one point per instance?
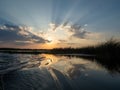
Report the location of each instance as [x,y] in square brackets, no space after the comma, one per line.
[56,72]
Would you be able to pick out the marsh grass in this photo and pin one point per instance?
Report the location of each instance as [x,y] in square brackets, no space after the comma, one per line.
[109,49]
[106,50]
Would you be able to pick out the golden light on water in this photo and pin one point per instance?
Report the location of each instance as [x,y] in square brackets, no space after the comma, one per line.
[59,62]
[49,59]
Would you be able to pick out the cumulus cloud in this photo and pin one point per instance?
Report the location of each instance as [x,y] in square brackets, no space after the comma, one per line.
[73,30]
[63,26]
[79,32]
[53,26]
[19,34]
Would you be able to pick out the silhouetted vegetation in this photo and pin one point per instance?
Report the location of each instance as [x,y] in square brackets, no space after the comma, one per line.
[107,54]
[107,50]
[23,51]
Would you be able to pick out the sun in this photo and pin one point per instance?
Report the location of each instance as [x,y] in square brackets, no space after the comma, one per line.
[50,39]
[50,44]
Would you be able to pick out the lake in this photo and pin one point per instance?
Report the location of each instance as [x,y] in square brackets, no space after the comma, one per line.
[57,72]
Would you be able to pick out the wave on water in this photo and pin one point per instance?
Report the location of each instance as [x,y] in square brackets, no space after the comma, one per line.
[12,62]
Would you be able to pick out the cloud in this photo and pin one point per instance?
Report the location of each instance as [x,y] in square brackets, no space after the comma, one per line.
[72,30]
[19,35]
[62,26]
[23,42]
[80,34]
[62,41]
[72,33]
[53,26]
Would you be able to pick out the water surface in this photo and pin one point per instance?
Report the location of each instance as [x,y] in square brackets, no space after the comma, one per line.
[56,72]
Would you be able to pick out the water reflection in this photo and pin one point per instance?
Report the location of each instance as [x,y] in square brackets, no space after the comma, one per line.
[58,72]
[48,60]
[11,62]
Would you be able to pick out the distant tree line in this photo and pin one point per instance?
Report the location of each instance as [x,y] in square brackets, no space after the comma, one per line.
[108,49]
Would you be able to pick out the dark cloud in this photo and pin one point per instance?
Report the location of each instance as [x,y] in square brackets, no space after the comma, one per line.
[65,23]
[8,35]
[18,34]
[79,32]
[76,27]
[75,30]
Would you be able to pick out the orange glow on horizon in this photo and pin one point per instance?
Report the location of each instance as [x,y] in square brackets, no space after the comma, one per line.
[49,46]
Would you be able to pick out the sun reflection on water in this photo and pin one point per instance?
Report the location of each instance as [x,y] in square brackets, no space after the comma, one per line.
[72,67]
[48,60]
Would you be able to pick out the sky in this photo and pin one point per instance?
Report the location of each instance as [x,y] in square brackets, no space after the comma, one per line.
[50,24]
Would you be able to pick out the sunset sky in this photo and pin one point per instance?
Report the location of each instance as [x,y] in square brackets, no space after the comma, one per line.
[58,23]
